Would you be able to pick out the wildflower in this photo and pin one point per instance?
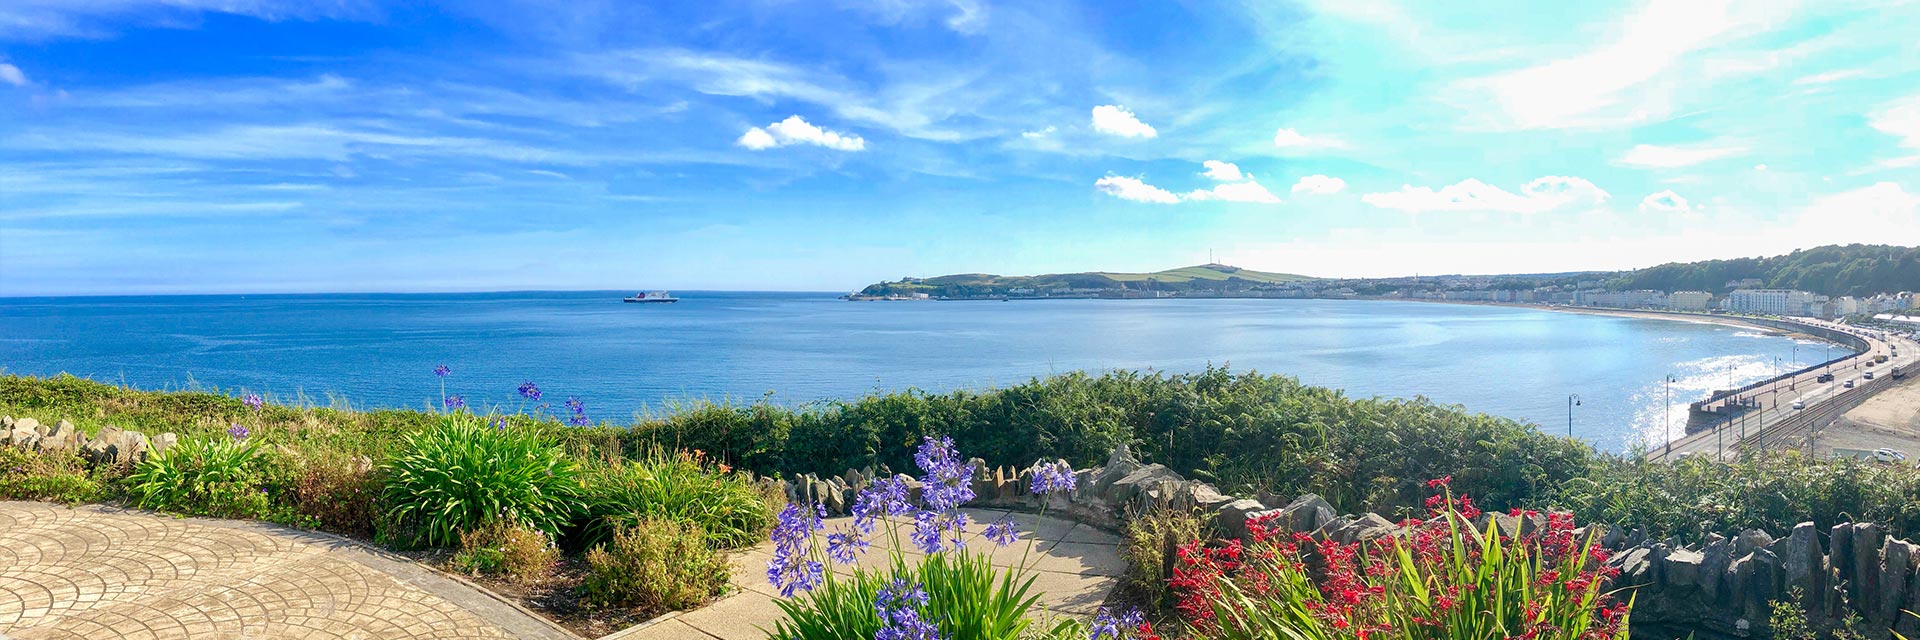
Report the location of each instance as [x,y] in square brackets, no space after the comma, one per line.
[1003,533]
[454,402]
[842,547]
[253,401]
[238,432]
[573,404]
[500,423]
[1108,625]
[948,480]
[790,569]
[897,605]
[530,391]
[579,420]
[442,371]
[1053,478]
[928,534]
[1440,482]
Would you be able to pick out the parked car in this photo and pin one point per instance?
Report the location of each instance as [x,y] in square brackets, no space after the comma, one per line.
[1797,405]
[1849,384]
[1886,455]
[1868,375]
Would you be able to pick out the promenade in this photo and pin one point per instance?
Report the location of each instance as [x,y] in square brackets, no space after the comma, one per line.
[1773,422]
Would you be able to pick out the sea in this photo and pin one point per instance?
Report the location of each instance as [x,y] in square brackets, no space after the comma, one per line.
[1603,378]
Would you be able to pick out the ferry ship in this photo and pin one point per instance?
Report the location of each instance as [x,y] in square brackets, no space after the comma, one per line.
[652,296]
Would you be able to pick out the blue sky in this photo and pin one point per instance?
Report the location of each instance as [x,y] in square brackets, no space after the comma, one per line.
[193,146]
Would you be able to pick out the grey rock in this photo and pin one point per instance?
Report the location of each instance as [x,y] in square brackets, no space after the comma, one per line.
[1840,556]
[131,448]
[1906,625]
[163,442]
[1120,464]
[1635,566]
[1684,567]
[1613,538]
[1331,530]
[1867,540]
[1205,496]
[1762,582]
[1307,513]
[1372,526]
[1896,563]
[1750,540]
[1805,568]
[1231,518]
[1713,571]
[1130,486]
[102,449]
[29,424]
[22,438]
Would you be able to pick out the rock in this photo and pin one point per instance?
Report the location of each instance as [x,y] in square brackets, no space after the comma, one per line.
[101,449]
[30,424]
[835,498]
[1713,570]
[1204,496]
[1763,583]
[1840,556]
[1906,625]
[132,447]
[1130,486]
[62,437]
[1372,526]
[1805,567]
[818,490]
[1231,518]
[1750,540]
[1635,565]
[1331,530]
[6,423]
[1306,513]
[1657,557]
[1508,525]
[1684,567]
[1613,538]
[1896,564]
[1867,540]
[1120,464]
[163,442]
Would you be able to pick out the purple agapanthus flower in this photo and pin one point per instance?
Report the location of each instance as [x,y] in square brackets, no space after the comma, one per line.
[888,497]
[238,432]
[1053,478]
[948,480]
[843,547]
[1109,625]
[530,391]
[500,423]
[791,570]
[442,371]
[573,404]
[898,605]
[253,401]
[1003,532]
[580,420]
[454,402]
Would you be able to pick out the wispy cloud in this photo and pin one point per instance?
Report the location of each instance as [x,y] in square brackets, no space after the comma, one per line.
[1652,156]
[1130,188]
[1539,196]
[1319,185]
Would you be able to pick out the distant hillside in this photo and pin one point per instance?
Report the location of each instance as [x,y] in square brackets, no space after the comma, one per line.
[1850,270]
[1209,277]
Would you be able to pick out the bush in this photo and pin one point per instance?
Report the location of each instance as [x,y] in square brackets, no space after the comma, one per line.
[216,476]
[463,473]
[733,510]
[517,552]
[1441,581]
[1151,544]
[1771,491]
[655,565]
[336,493]
[56,477]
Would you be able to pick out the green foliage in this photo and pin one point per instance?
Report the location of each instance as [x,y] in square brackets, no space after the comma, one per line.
[463,473]
[1850,270]
[517,552]
[1772,492]
[211,476]
[734,511]
[967,598]
[54,477]
[1151,541]
[1211,277]
[337,493]
[655,565]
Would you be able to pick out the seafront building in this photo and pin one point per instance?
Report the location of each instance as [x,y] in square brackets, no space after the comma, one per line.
[1690,300]
[1778,302]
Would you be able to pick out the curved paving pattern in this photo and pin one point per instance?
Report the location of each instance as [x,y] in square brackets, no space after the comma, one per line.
[103,573]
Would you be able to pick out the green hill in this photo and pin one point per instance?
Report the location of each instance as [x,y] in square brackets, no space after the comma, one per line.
[1835,270]
[1208,277]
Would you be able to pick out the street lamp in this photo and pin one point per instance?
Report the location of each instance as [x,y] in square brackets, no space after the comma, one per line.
[1669,422]
[1572,401]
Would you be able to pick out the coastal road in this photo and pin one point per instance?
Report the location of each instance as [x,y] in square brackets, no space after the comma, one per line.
[1775,398]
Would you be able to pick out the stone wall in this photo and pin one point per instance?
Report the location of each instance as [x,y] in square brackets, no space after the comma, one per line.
[112,445]
[1718,588]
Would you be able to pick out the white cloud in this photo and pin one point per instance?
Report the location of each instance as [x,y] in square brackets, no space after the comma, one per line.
[1249,191]
[795,130]
[1620,81]
[1290,139]
[1541,195]
[1650,156]
[12,75]
[1222,171]
[1665,202]
[1117,120]
[1319,185]
[1830,77]
[1126,188]
[1900,119]
[1875,212]
[1036,135]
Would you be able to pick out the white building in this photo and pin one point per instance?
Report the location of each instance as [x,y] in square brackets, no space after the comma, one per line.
[1778,302]
[1690,300]
[1638,299]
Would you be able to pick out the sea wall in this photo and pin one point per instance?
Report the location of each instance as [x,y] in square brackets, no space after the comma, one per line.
[1718,588]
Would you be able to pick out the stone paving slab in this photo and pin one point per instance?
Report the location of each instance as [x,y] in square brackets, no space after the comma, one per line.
[1074,568]
[103,573]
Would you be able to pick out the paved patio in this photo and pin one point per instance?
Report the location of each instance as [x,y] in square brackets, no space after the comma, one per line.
[103,573]
[1075,567]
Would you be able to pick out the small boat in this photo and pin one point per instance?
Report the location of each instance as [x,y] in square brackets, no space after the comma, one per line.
[651,296]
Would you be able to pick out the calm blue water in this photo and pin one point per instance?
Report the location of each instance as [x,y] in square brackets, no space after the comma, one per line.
[379,350]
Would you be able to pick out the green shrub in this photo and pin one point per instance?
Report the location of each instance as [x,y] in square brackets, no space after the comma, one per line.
[517,552]
[454,477]
[733,510]
[655,565]
[212,476]
[336,493]
[1771,492]
[966,598]
[1151,541]
[55,477]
